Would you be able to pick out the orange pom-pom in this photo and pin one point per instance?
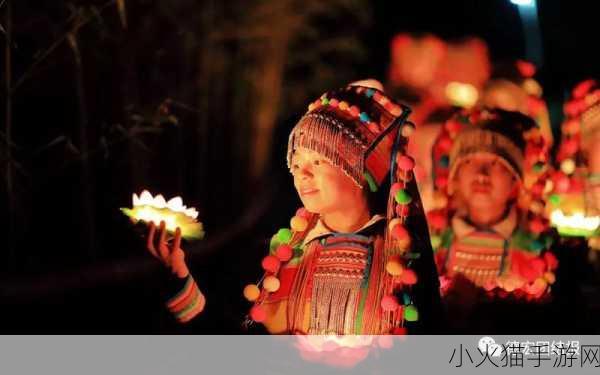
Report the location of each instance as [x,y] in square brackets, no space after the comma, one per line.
[251,292]
[399,232]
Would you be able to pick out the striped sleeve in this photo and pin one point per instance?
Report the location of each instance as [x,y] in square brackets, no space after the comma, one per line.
[188,302]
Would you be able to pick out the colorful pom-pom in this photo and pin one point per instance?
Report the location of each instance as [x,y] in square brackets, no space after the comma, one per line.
[284,253]
[271,263]
[369,93]
[436,241]
[567,166]
[536,226]
[411,313]
[551,261]
[441,182]
[394,267]
[399,232]
[550,277]
[334,103]
[405,162]
[409,277]
[402,197]
[284,235]
[437,220]
[251,292]
[324,101]
[354,111]
[389,303]
[396,110]
[302,212]
[407,130]
[298,224]
[258,314]
[271,284]
[364,117]
[343,105]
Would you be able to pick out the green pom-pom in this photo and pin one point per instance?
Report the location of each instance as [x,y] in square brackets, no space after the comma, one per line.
[324,101]
[554,199]
[406,298]
[436,241]
[536,245]
[284,235]
[538,167]
[402,197]
[411,313]
[274,244]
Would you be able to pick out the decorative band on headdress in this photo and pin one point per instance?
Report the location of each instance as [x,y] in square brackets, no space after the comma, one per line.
[475,140]
[355,128]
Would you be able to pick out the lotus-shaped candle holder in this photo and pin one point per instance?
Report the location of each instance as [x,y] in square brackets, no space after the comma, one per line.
[148,209]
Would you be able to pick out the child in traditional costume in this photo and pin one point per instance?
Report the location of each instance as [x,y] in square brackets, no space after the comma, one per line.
[484,233]
[357,258]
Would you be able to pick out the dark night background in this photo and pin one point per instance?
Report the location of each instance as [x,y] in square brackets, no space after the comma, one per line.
[196,98]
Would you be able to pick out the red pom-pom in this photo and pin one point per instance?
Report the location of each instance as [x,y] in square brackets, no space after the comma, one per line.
[441,182]
[551,261]
[399,232]
[536,226]
[258,314]
[437,220]
[539,266]
[271,263]
[389,303]
[569,146]
[399,331]
[526,68]
[354,111]
[409,277]
[284,253]
[576,186]
[561,182]
[444,144]
[405,162]
[537,189]
[397,186]
[452,126]
[303,212]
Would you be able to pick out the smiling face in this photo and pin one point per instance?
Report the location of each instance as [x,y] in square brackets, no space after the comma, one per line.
[485,183]
[323,188]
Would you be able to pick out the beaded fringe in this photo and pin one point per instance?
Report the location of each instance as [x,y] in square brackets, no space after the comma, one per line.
[330,138]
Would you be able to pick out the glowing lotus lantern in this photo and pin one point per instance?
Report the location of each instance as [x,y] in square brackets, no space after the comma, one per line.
[148,209]
[567,215]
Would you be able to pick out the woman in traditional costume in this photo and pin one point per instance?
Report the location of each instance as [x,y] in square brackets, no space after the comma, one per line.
[357,258]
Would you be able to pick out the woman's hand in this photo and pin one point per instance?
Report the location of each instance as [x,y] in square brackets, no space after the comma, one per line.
[170,255]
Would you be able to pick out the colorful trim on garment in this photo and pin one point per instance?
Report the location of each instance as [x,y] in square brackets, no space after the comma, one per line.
[188,302]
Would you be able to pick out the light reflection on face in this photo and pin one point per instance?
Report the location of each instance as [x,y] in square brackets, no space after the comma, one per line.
[323,188]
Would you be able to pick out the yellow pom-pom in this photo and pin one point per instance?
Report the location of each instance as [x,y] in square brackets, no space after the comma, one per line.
[343,106]
[394,268]
[550,277]
[271,284]
[251,292]
[567,166]
[298,224]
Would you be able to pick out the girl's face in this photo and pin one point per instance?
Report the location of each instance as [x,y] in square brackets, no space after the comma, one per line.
[484,182]
[323,188]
